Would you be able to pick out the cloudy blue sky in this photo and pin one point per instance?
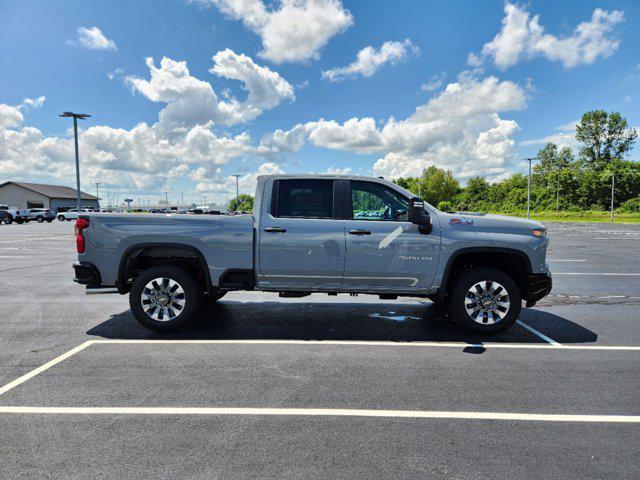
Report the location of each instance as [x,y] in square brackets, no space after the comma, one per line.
[186,93]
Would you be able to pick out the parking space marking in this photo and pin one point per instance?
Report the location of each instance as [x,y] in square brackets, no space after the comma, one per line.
[377,343]
[566,260]
[323,412]
[551,345]
[538,334]
[610,274]
[44,367]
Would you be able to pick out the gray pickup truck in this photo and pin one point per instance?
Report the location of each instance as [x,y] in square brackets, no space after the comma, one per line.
[319,233]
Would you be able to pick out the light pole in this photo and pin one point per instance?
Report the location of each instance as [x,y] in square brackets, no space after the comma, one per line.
[558,192]
[98,193]
[76,116]
[613,186]
[530,159]
[237,187]
[166,197]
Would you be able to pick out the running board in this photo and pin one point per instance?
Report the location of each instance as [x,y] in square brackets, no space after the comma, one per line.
[100,290]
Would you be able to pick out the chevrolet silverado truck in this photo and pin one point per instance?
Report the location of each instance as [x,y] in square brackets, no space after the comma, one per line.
[319,233]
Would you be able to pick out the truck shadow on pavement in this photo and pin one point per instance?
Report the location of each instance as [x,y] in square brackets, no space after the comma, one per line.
[341,321]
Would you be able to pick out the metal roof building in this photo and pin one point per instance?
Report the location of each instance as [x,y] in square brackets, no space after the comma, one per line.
[38,195]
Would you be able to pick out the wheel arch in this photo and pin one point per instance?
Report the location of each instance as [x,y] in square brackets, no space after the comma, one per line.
[159,250]
[509,260]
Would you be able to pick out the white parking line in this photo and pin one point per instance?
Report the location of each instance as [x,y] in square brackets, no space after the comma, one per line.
[323,412]
[44,367]
[610,274]
[378,343]
[538,334]
[566,260]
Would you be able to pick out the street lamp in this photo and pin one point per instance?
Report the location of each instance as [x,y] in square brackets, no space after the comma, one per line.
[76,116]
[530,159]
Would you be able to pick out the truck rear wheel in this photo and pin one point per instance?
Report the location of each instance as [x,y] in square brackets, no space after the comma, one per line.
[485,300]
[164,298]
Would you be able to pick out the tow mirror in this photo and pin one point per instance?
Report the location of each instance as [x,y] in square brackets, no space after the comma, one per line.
[419,215]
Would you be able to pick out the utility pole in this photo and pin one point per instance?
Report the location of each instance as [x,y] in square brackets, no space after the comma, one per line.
[166,197]
[530,159]
[613,186]
[182,199]
[76,116]
[558,192]
[98,193]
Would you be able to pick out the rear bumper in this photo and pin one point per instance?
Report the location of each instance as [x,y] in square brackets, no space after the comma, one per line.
[87,274]
[539,286]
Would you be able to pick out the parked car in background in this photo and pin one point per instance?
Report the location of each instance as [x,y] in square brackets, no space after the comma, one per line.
[41,215]
[5,217]
[71,214]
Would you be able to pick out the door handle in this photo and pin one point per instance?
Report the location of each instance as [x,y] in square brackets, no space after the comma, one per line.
[275,229]
[359,232]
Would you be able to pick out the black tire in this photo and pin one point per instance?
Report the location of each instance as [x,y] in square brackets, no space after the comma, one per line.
[40,219]
[458,299]
[60,218]
[49,220]
[189,286]
[8,220]
[19,222]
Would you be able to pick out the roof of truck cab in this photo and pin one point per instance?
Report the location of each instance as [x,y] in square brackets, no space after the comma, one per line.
[311,176]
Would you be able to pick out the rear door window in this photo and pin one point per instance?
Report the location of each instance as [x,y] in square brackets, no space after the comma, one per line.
[304,199]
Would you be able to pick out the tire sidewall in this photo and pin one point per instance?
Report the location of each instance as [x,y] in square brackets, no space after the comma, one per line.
[191,292]
[470,278]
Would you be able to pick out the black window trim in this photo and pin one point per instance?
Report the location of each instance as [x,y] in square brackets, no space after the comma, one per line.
[336,206]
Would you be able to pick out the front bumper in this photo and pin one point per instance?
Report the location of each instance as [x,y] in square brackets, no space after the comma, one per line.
[539,286]
[87,274]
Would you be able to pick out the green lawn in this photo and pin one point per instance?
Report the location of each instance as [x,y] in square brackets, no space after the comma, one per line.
[586,216]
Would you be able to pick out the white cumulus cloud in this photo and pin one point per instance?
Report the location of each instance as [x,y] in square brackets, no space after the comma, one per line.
[459,129]
[191,101]
[34,103]
[93,39]
[294,31]
[522,37]
[10,116]
[369,60]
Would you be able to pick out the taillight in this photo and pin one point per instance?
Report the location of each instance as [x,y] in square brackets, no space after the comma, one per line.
[81,224]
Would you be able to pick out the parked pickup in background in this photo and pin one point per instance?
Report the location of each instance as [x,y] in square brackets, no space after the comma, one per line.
[15,215]
[319,233]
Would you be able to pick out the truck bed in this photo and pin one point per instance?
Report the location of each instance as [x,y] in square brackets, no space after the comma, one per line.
[225,242]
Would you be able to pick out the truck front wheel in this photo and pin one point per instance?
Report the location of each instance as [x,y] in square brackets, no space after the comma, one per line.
[164,298]
[485,300]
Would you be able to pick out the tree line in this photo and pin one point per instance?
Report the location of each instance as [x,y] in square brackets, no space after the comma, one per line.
[561,181]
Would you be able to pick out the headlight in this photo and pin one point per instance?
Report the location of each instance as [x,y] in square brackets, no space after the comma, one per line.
[540,232]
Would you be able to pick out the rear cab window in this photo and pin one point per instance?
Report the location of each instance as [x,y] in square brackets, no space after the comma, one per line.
[303,199]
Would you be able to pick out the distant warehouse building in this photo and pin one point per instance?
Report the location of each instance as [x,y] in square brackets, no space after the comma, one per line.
[38,195]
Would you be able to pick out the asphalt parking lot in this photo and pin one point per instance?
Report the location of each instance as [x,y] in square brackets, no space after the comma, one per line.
[320,387]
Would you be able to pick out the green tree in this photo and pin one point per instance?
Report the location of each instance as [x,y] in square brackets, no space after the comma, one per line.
[438,185]
[475,195]
[242,203]
[604,137]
